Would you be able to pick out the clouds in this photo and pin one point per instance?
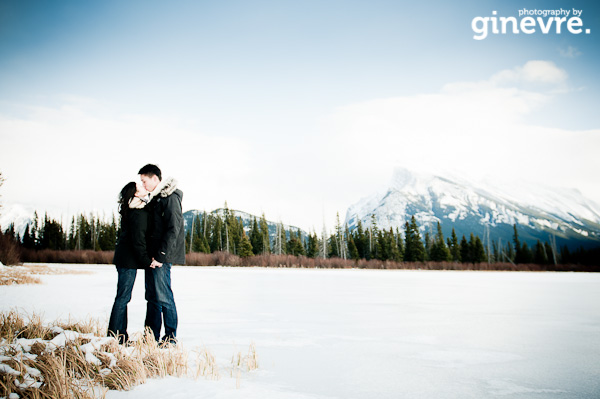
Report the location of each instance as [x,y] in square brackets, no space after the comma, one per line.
[544,72]
[474,128]
[77,155]
[570,52]
[72,155]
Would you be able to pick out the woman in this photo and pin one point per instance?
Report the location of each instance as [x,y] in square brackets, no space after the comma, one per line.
[130,254]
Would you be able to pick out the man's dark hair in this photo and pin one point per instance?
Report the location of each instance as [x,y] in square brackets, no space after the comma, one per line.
[151,170]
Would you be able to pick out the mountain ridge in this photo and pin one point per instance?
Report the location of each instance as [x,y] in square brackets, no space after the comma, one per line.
[540,213]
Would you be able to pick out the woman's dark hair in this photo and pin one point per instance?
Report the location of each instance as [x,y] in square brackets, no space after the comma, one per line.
[126,194]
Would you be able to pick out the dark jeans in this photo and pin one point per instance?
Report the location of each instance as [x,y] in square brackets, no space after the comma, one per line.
[117,324]
[161,303]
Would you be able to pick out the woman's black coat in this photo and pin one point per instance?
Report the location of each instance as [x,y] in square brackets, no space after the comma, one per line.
[132,247]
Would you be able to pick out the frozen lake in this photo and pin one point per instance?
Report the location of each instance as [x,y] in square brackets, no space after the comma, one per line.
[362,333]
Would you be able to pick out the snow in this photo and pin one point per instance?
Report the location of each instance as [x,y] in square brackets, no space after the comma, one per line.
[324,334]
[5,368]
[19,215]
[511,202]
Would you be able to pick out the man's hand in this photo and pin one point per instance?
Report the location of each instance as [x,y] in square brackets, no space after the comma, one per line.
[155,263]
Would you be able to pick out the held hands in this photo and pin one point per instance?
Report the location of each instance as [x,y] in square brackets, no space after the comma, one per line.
[155,263]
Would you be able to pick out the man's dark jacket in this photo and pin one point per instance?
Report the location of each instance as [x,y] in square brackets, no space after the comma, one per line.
[131,250]
[167,239]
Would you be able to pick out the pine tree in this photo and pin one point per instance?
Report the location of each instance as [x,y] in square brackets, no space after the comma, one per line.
[204,233]
[107,235]
[372,234]
[439,250]
[540,256]
[245,246]
[414,250]
[477,250]
[264,231]
[465,251]
[216,233]
[51,235]
[549,253]
[312,246]
[399,244]
[526,256]
[294,244]
[565,255]
[392,252]
[28,242]
[361,241]
[332,245]
[256,239]
[454,247]
[352,250]
[428,245]
[522,252]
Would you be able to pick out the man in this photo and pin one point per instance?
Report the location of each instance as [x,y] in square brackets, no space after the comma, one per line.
[166,246]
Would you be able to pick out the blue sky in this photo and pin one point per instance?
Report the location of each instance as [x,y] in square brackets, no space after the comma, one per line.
[294,109]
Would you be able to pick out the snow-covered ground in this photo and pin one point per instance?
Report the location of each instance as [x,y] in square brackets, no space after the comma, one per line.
[361,333]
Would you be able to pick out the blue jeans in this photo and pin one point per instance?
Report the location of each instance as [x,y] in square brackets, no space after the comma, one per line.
[161,303]
[117,324]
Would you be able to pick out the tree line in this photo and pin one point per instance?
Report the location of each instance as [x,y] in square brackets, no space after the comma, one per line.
[223,231]
[84,233]
[212,232]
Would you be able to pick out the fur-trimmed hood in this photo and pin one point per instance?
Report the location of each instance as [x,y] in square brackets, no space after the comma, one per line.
[165,188]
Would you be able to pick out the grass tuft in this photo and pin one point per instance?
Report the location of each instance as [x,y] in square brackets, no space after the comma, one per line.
[75,360]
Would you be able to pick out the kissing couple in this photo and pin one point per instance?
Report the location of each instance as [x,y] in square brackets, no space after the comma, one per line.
[152,238]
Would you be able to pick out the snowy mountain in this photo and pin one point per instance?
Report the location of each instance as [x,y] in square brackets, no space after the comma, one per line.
[539,212]
[16,214]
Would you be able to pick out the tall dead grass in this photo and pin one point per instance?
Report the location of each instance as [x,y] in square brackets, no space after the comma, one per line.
[10,275]
[240,363]
[74,360]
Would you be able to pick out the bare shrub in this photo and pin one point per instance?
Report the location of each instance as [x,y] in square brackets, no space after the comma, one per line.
[75,256]
[10,250]
[291,261]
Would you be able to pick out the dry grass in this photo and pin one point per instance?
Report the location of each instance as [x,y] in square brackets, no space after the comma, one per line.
[206,365]
[74,360]
[239,363]
[246,362]
[10,275]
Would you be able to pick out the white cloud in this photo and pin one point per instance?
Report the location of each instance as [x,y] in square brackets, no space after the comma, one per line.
[570,52]
[544,72]
[78,155]
[473,128]
[71,158]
